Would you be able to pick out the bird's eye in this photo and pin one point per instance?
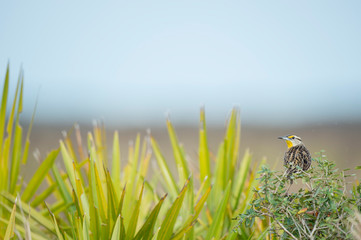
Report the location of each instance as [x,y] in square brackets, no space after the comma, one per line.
[293,137]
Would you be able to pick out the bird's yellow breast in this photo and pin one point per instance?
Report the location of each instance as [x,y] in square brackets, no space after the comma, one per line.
[289,143]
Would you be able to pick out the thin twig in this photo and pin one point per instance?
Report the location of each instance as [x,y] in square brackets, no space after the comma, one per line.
[316,224]
[295,222]
[280,180]
[285,229]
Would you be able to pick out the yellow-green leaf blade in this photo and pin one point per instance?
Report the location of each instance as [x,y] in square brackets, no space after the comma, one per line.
[241,177]
[10,229]
[116,235]
[166,229]
[178,154]
[168,177]
[116,159]
[39,175]
[204,161]
[68,162]
[134,219]
[3,106]
[35,215]
[16,157]
[215,229]
[56,226]
[192,219]
[146,232]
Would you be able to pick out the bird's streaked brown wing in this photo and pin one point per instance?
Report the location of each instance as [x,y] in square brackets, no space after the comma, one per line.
[297,156]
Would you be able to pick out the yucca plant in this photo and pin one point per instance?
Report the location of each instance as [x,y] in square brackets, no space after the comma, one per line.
[93,196]
[232,181]
[101,205]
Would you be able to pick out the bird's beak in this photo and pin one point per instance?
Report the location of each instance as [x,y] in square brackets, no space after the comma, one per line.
[284,138]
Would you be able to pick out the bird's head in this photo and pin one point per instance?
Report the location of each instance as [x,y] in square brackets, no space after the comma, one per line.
[291,140]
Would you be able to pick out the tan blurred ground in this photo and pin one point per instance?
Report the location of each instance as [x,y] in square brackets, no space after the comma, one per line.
[342,142]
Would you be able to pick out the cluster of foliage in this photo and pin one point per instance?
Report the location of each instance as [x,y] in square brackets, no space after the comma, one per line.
[320,209]
[95,196]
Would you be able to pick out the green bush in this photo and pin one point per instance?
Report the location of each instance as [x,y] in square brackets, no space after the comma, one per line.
[320,209]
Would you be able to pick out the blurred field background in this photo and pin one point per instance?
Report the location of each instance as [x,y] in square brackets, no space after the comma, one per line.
[340,141]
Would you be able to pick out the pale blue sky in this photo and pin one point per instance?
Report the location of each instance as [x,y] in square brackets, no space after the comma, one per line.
[130,62]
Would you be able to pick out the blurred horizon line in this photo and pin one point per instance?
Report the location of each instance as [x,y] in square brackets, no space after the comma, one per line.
[187,124]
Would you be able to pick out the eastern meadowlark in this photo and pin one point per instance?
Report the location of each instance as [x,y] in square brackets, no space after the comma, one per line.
[296,155]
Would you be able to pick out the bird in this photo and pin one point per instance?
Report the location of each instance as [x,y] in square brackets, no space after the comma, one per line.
[296,155]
